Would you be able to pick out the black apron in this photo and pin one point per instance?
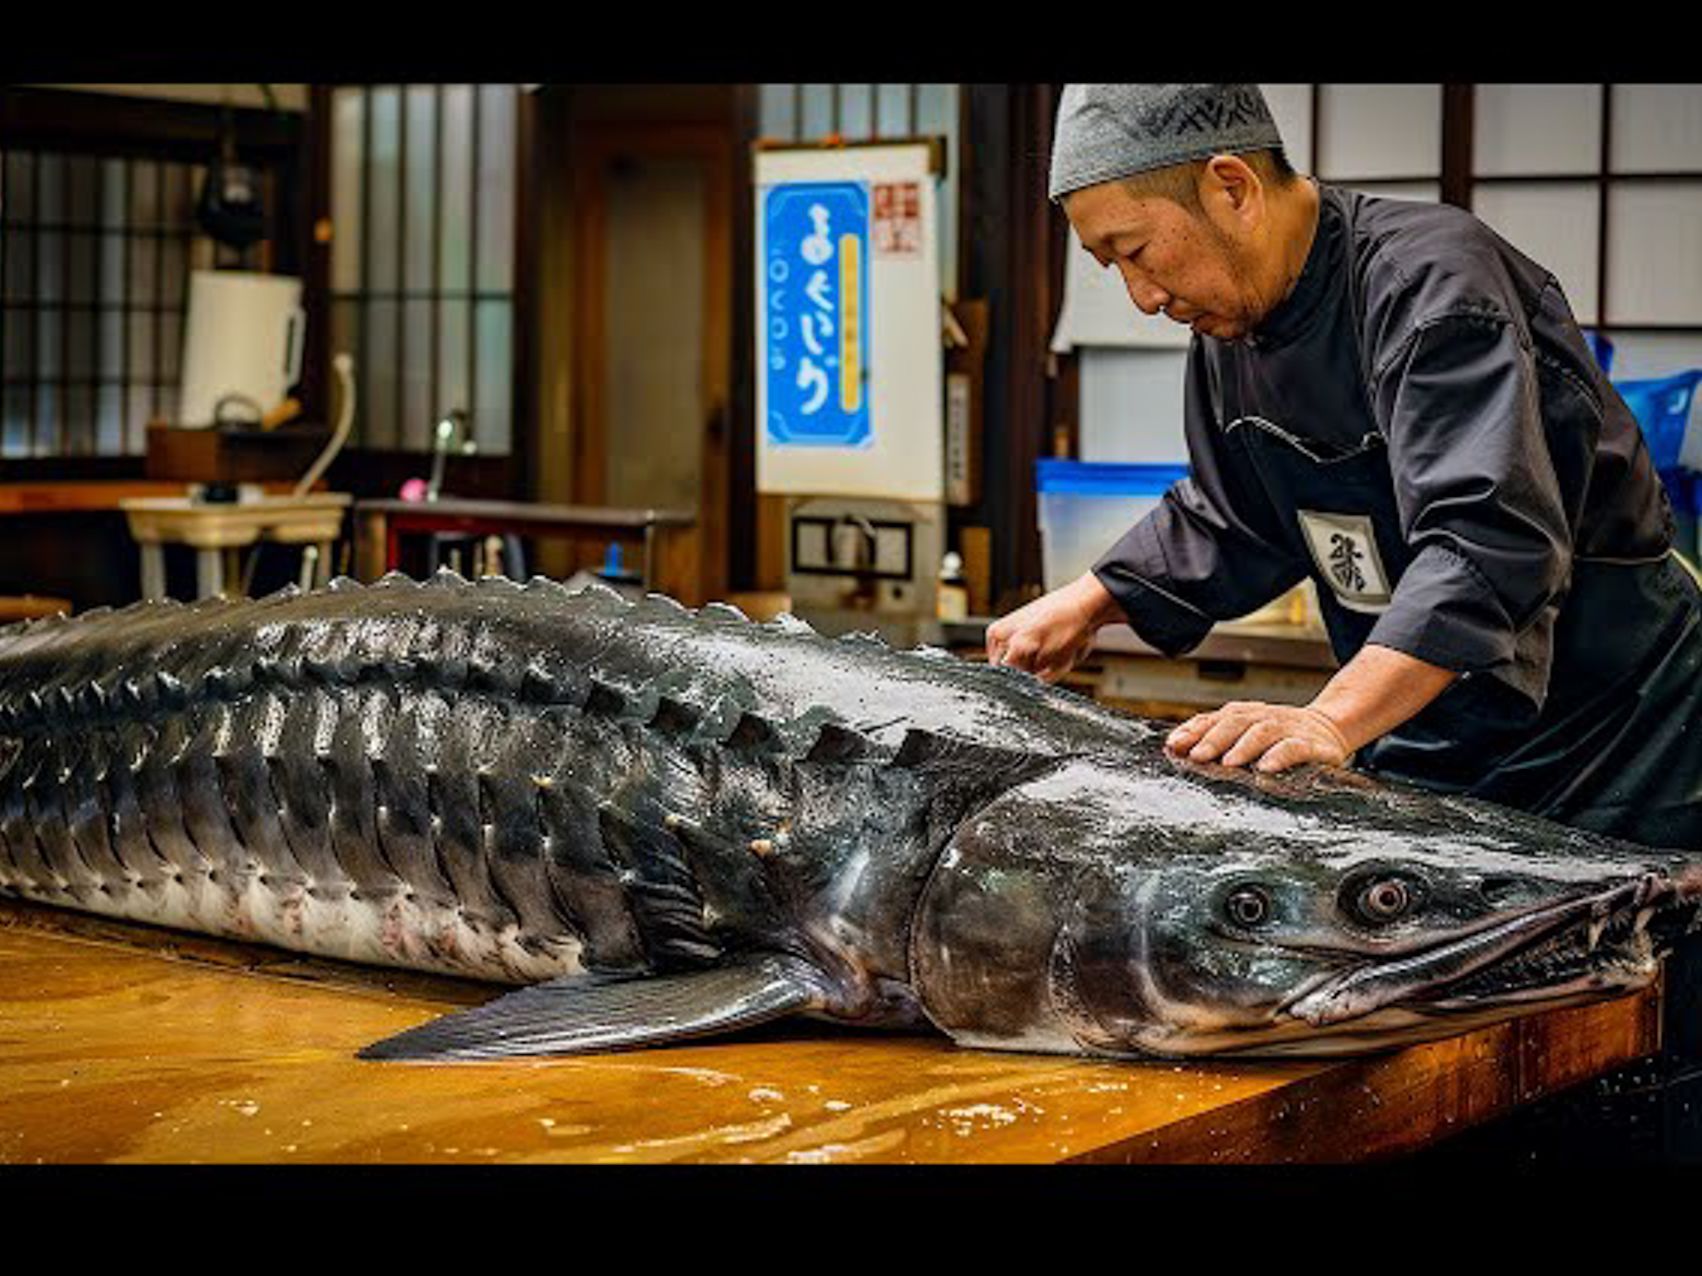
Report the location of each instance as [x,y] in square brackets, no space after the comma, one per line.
[1617,744]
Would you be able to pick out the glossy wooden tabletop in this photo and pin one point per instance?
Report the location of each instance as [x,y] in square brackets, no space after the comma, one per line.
[125,1044]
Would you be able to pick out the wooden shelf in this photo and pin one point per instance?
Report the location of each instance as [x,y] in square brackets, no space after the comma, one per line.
[97,494]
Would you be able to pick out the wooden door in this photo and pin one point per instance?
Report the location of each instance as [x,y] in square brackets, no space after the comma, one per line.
[653,341]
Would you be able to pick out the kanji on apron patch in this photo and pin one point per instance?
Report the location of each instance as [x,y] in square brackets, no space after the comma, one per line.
[1345,550]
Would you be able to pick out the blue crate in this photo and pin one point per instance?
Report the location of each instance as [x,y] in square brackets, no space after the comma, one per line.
[1105,478]
[1084,506]
[1662,408]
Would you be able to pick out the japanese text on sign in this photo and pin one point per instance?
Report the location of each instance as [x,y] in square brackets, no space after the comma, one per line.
[815,283]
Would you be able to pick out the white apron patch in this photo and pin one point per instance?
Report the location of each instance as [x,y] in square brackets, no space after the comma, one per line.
[1345,550]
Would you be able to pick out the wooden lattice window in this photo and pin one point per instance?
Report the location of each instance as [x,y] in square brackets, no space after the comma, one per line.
[94,264]
[423,205]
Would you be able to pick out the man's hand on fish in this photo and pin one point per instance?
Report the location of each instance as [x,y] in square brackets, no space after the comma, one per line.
[1050,635]
[1370,695]
[1269,737]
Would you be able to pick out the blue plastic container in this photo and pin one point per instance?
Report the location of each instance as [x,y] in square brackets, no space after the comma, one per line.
[1662,408]
[1086,505]
[1106,478]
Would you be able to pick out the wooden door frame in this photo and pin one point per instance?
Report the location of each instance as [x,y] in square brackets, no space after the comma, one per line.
[593,145]
[1015,244]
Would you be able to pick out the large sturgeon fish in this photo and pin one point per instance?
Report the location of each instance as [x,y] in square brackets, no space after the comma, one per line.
[669,823]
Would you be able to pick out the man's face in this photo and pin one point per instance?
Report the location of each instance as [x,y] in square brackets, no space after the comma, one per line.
[1174,261]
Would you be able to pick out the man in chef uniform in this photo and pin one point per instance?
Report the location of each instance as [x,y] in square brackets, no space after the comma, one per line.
[1388,399]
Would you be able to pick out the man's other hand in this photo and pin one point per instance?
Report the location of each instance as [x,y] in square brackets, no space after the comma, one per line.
[1269,737]
[1049,635]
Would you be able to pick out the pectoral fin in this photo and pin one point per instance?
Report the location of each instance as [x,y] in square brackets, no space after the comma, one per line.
[577,1014]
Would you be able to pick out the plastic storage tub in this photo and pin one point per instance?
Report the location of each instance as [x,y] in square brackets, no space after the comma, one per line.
[1662,408]
[1086,505]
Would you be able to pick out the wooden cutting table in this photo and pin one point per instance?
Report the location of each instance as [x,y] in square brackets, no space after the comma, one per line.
[123,1043]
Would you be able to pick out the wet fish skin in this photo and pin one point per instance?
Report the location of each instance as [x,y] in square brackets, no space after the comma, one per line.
[1113,932]
[637,809]
[508,782]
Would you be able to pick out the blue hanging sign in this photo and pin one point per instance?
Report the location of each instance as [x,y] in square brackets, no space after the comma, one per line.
[816,308]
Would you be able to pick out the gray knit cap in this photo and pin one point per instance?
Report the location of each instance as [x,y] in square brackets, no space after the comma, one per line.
[1107,131]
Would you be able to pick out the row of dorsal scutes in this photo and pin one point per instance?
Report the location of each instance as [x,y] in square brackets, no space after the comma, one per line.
[540,642]
[447,629]
[165,653]
[652,661]
[79,665]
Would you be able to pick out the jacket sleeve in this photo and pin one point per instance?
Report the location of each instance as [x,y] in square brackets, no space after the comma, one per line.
[1478,500]
[1211,550]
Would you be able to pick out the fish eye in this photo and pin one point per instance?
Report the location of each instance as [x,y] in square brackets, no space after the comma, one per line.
[1383,900]
[1247,906]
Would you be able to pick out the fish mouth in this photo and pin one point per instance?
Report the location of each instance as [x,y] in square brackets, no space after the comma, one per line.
[1592,945]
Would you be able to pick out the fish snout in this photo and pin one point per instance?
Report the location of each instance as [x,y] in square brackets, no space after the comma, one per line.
[1555,945]
[1675,897]
[1669,905]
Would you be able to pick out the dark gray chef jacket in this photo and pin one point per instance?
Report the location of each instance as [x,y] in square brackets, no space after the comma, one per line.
[1421,429]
